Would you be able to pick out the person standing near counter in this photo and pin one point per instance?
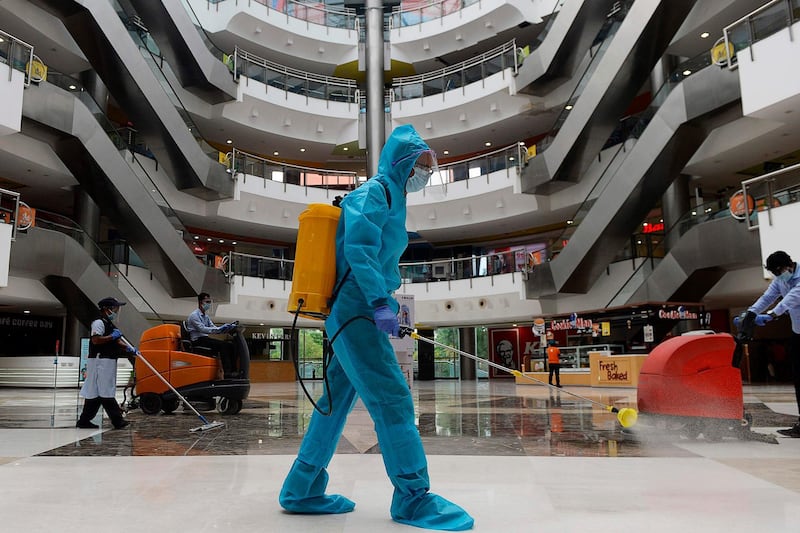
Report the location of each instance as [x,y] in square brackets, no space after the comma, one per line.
[554,362]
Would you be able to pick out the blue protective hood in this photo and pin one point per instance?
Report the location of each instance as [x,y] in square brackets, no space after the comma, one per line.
[371,235]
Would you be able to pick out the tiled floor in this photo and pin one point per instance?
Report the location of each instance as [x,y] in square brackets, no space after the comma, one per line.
[517,457]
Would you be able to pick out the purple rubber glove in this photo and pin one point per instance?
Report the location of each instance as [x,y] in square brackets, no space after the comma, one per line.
[386,320]
[116,334]
[763,319]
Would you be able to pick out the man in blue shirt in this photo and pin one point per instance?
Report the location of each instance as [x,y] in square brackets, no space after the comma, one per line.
[200,326]
[787,285]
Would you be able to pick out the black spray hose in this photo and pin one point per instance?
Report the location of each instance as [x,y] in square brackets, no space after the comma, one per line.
[326,357]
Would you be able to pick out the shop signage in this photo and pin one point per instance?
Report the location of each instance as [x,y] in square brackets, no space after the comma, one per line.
[614,371]
[681,313]
[572,323]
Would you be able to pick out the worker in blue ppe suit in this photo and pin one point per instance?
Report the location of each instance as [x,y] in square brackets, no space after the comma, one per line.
[370,239]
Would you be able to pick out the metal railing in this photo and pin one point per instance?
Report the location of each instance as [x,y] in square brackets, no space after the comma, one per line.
[602,41]
[55,222]
[292,80]
[757,25]
[417,14]
[252,165]
[17,54]
[457,76]
[9,210]
[631,129]
[438,270]
[311,12]
[768,191]
[699,214]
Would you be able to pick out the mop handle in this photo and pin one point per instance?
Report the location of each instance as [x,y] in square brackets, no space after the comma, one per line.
[162,378]
[414,335]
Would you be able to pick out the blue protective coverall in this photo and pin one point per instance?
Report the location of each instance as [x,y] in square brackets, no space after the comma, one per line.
[370,239]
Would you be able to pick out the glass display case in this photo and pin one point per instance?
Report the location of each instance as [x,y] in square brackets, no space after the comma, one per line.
[578,356]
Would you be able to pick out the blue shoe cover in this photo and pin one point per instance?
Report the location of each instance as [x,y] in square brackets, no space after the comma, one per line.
[303,492]
[430,511]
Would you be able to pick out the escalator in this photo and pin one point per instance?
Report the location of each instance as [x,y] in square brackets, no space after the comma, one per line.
[679,120]
[645,31]
[187,49]
[96,27]
[703,255]
[573,28]
[71,274]
[59,118]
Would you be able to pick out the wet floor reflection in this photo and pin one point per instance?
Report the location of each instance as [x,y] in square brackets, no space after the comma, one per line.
[454,418]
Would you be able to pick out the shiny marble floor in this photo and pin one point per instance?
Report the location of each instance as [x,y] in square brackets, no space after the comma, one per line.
[517,457]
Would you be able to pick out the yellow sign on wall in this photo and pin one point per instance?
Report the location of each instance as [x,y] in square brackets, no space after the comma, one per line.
[605,329]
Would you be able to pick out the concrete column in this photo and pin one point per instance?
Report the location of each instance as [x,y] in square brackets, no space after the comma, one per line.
[674,204]
[95,87]
[376,132]
[426,369]
[73,332]
[87,215]
[466,339]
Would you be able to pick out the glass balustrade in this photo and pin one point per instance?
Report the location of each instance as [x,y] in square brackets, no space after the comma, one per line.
[318,12]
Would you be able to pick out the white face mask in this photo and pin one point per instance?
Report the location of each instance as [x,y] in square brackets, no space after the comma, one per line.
[418,180]
[786,275]
[206,307]
[112,315]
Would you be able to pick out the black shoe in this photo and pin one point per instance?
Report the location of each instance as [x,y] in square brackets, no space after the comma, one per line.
[122,424]
[86,425]
[793,431]
[559,386]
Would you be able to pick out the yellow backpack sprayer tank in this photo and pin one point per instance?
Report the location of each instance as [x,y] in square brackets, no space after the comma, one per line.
[315,262]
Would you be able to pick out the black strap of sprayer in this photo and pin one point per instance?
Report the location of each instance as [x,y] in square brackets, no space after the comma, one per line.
[328,353]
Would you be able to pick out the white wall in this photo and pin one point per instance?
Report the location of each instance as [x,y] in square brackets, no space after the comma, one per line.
[5,252]
[781,234]
[770,81]
[11,95]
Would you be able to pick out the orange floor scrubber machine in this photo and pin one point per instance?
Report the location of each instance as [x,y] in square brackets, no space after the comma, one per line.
[195,372]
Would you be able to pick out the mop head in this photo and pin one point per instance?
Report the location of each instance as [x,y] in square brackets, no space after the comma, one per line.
[206,427]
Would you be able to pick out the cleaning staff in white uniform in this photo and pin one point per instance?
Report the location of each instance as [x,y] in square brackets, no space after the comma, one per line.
[100,386]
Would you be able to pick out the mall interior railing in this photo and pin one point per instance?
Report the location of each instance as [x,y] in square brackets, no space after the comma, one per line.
[757,25]
[245,164]
[457,76]
[413,13]
[313,12]
[55,222]
[9,210]
[18,54]
[768,191]
[293,80]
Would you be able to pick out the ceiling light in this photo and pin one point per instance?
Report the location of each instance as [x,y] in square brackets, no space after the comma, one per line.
[221,241]
[487,143]
[704,35]
[446,152]
[302,149]
[196,237]
[234,243]
[229,141]
[687,72]
[72,87]
[570,222]
[345,149]
[27,311]
[275,153]
[569,107]
[209,239]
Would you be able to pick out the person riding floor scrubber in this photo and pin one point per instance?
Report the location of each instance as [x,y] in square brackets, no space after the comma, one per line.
[195,372]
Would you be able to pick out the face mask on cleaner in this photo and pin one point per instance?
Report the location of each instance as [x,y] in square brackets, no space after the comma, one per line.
[417,181]
[785,276]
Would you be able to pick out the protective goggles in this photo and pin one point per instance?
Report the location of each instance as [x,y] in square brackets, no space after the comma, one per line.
[422,158]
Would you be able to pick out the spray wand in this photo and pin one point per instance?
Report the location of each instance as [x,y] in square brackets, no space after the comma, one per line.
[627,416]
